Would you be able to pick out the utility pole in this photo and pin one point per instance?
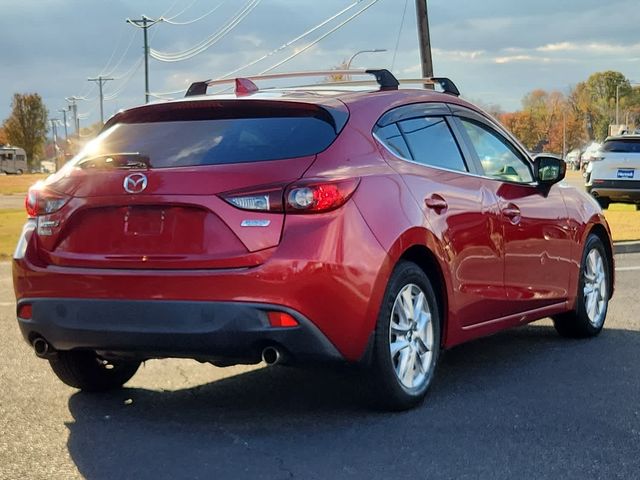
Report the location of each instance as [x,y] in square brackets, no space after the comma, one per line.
[64,119]
[54,130]
[100,80]
[423,39]
[145,23]
[73,108]
[564,134]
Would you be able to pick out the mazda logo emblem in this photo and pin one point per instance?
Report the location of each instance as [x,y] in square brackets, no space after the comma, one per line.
[135,183]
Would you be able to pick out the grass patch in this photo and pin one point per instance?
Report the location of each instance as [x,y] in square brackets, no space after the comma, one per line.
[19,184]
[624,222]
[11,222]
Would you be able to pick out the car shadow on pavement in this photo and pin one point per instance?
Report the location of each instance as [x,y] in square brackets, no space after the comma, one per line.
[275,422]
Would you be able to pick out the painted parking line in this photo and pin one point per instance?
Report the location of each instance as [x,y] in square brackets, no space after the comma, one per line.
[7,304]
[627,269]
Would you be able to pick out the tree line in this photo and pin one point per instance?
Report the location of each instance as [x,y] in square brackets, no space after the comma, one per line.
[550,120]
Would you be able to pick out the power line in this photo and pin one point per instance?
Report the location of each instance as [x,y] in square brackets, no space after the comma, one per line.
[322,37]
[115,93]
[180,12]
[170,22]
[122,57]
[208,42]
[291,42]
[395,50]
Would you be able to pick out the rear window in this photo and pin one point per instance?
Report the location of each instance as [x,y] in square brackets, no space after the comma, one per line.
[622,146]
[212,141]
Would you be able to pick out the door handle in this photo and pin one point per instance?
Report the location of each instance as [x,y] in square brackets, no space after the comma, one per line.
[436,202]
[512,212]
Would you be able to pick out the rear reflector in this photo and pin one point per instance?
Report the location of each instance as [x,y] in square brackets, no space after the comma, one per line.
[25,311]
[281,319]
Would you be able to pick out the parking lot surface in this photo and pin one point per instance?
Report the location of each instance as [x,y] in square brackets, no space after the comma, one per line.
[521,404]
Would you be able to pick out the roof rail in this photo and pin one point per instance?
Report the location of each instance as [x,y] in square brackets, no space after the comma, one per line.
[446,84]
[245,85]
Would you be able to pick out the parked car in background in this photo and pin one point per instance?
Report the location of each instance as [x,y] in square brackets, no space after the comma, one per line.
[13,160]
[321,224]
[573,159]
[613,174]
[588,154]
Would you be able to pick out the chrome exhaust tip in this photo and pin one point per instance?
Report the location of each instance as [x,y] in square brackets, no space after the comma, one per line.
[41,347]
[271,355]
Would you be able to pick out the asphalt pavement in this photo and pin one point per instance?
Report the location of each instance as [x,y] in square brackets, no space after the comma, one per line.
[521,404]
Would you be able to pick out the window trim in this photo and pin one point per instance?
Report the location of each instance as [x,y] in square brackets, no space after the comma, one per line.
[413,110]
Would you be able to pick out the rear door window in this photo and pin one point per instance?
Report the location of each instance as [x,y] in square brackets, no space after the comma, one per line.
[431,143]
[425,140]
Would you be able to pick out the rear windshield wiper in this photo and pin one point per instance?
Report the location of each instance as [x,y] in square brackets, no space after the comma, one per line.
[116,160]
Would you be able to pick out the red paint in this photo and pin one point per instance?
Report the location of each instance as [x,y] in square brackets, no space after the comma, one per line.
[507,254]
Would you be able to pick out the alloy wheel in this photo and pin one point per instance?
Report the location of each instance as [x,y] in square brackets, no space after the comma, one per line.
[411,337]
[595,288]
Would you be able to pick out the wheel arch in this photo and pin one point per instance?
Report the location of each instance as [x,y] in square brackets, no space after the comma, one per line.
[422,256]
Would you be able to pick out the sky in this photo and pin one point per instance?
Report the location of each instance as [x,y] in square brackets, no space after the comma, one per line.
[495,50]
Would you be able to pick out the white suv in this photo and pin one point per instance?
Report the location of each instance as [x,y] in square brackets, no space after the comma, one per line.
[613,174]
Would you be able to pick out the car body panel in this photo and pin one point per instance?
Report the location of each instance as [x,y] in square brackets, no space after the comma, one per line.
[331,268]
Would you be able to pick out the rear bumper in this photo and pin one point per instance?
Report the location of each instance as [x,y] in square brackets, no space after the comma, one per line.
[628,190]
[328,268]
[227,332]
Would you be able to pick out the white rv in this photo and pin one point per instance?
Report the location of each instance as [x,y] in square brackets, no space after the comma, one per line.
[12,160]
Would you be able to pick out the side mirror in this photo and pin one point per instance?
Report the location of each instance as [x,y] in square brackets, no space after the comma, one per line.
[549,169]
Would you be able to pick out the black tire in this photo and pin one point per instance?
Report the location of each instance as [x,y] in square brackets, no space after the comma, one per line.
[87,371]
[388,390]
[603,202]
[577,323]
[19,172]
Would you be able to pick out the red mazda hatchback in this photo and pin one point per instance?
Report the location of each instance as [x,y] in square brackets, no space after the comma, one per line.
[375,226]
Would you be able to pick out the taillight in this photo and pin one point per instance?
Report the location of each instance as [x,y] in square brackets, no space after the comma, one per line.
[41,201]
[305,196]
[319,196]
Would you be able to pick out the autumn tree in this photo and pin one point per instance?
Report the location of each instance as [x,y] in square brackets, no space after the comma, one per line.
[26,127]
[3,137]
[602,87]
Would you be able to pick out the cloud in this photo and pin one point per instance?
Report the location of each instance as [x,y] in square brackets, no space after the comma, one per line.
[497,56]
[459,54]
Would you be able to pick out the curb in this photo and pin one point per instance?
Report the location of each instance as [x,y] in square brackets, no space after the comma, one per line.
[626,247]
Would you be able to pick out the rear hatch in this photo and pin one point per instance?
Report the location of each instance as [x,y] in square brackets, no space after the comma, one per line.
[152,190]
[619,160]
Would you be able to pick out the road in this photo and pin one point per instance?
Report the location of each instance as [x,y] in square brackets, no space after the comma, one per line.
[521,404]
